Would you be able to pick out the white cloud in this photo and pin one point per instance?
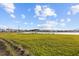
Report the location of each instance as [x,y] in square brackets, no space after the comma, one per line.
[41,18]
[4,26]
[62,20]
[25,23]
[69,13]
[44,11]
[49,12]
[62,24]
[12,15]
[74,10]
[65,20]
[23,16]
[31,23]
[38,25]
[9,8]
[53,24]
[37,10]
[49,25]
[68,19]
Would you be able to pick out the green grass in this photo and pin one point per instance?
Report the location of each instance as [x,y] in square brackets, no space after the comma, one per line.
[46,44]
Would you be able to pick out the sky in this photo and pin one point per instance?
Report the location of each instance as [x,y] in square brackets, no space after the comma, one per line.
[49,16]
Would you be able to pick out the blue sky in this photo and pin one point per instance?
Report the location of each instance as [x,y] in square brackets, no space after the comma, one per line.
[39,16]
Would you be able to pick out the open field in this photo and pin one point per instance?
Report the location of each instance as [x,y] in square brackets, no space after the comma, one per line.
[39,44]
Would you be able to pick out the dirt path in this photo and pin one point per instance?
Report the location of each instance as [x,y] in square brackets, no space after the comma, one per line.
[11,48]
[3,48]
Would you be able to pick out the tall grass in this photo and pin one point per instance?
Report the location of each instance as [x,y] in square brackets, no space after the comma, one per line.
[46,44]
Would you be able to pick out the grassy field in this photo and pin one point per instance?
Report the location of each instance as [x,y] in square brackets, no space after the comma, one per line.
[46,44]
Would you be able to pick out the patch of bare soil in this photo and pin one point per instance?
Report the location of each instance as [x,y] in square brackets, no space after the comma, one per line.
[3,49]
[11,48]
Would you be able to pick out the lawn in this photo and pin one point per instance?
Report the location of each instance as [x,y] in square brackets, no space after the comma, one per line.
[46,44]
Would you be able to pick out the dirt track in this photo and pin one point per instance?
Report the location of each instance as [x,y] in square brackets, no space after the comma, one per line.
[11,48]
